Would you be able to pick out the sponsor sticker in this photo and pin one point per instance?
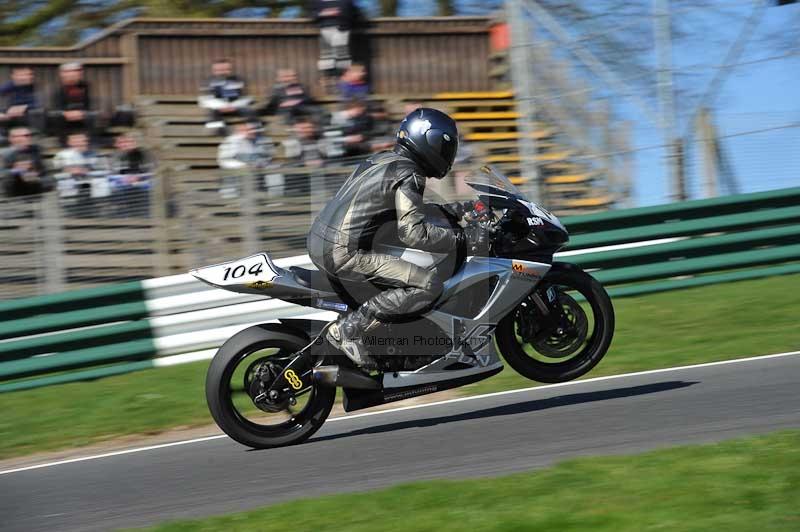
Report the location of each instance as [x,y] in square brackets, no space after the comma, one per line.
[331,305]
[260,285]
[525,271]
[293,380]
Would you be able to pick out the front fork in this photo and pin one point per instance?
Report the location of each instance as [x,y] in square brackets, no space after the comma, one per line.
[547,316]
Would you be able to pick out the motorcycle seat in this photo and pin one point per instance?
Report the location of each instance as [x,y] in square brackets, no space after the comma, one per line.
[314,279]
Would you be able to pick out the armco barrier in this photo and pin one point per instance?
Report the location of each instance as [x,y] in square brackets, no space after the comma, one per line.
[100,332]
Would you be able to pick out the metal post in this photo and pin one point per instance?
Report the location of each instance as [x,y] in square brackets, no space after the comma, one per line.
[53,240]
[249,218]
[158,200]
[708,150]
[522,81]
[666,96]
[624,137]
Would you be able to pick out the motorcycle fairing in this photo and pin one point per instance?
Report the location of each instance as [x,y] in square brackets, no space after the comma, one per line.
[472,349]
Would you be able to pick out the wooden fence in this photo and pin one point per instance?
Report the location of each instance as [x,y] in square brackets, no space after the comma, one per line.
[172,56]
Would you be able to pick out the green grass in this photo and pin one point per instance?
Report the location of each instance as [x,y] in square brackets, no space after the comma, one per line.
[78,414]
[741,485]
[670,329]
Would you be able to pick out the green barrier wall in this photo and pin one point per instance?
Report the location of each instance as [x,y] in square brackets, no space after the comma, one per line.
[89,334]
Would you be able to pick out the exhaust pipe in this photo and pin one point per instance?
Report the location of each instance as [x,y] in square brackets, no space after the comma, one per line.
[344,377]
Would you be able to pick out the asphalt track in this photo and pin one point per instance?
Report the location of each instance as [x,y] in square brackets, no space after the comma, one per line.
[488,435]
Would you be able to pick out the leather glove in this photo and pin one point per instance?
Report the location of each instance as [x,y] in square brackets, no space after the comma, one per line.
[478,238]
[459,208]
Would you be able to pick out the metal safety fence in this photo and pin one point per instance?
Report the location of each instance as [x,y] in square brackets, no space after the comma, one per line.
[88,234]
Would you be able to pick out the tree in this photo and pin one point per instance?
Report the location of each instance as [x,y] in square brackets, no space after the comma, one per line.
[445,8]
[389,8]
[64,22]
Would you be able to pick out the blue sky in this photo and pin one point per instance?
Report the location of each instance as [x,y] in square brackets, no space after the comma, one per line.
[758,96]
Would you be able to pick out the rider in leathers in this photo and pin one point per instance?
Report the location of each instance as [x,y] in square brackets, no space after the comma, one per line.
[385,192]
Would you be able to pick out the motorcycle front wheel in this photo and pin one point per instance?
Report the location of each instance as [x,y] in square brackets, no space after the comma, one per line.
[573,337]
[230,384]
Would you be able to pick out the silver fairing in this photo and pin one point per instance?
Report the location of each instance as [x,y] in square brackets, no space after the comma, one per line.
[471,337]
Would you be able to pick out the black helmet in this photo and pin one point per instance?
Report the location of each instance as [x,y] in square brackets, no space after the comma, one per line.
[430,138]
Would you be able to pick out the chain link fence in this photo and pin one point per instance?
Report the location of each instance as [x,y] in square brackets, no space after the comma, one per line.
[669,100]
[82,235]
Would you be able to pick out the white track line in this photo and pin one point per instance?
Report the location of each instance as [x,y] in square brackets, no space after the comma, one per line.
[412,407]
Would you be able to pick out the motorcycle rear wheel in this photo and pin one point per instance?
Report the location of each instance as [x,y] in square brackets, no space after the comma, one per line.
[540,360]
[226,398]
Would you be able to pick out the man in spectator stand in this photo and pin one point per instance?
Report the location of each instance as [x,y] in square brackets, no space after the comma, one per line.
[336,20]
[353,83]
[130,158]
[224,96]
[23,170]
[306,148]
[131,176]
[19,105]
[355,125]
[247,154]
[289,97]
[71,102]
[80,171]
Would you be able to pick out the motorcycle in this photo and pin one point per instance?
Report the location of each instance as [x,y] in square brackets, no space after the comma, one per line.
[274,384]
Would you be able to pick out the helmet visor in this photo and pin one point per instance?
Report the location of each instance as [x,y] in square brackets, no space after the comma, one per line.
[443,145]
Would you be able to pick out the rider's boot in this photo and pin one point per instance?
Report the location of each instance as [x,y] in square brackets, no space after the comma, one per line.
[346,336]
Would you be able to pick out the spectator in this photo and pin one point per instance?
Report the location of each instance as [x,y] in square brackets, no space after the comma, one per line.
[77,165]
[245,148]
[355,125]
[245,154]
[289,97]
[336,19]
[132,172]
[71,102]
[353,83]
[23,170]
[304,148]
[224,95]
[19,106]
[130,159]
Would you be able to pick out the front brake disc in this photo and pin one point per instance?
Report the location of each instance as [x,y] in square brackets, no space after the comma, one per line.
[570,334]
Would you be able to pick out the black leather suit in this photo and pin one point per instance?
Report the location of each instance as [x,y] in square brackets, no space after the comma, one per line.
[380,202]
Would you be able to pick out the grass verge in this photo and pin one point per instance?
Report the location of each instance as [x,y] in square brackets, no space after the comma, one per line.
[670,329]
[748,484]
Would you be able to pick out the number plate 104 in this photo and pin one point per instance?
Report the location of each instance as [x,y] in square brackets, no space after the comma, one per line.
[243,271]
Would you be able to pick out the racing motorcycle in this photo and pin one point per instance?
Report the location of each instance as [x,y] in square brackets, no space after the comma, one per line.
[274,384]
